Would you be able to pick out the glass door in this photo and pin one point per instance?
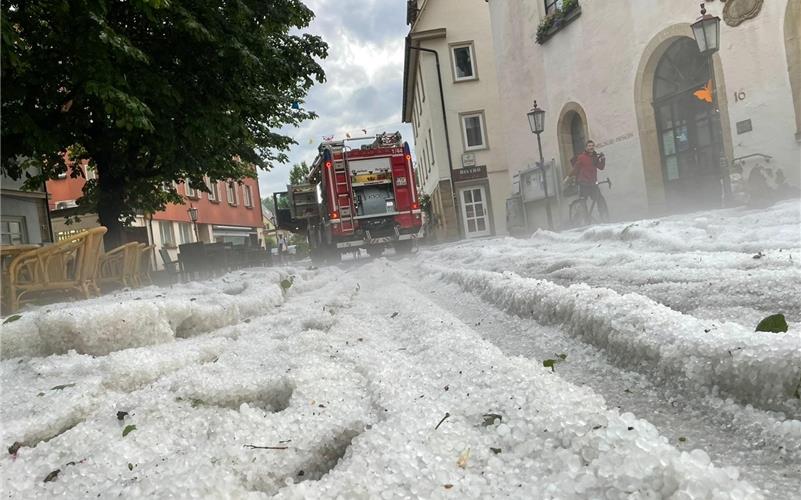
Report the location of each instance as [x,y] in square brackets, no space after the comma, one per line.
[474,212]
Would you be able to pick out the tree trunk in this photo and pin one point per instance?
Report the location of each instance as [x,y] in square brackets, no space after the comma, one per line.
[109,209]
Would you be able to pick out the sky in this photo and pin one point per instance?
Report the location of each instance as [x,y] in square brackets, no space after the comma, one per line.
[364,79]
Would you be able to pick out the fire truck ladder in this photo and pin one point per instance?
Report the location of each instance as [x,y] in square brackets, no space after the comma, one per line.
[344,190]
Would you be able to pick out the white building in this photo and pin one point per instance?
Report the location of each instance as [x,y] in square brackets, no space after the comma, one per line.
[458,143]
[629,75]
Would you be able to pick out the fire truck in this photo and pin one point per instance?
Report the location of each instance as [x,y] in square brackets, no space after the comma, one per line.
[355,197]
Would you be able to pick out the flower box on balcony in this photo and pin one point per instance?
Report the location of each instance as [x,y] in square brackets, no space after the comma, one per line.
[557,21]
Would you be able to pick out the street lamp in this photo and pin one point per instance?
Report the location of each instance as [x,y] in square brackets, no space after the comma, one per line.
[193,217]
[536,120]
[706,30]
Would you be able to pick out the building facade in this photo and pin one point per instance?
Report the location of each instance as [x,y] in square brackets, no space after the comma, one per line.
[23,214]
[680,131]
[451,99]
[231,212]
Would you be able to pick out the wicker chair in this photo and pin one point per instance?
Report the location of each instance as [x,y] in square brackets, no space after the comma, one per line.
[119,266]
[66,266]
[144,264]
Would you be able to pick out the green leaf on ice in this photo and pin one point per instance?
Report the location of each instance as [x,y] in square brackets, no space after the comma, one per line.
[128,429]
[12,318]
[774,323]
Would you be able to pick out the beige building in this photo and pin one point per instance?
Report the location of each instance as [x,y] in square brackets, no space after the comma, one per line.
[451,99]
[630,76]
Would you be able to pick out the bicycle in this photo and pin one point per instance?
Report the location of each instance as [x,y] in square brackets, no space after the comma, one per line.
[578,212]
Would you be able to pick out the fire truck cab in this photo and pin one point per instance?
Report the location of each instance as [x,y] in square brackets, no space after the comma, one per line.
[356,197]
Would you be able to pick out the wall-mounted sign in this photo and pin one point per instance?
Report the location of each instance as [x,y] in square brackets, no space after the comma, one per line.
[470,173]
[468,159]
[744,126]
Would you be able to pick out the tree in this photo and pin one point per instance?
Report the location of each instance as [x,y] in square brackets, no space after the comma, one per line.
[298,173]
[151,92]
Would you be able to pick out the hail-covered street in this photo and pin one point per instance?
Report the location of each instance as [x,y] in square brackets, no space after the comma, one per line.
[617,361]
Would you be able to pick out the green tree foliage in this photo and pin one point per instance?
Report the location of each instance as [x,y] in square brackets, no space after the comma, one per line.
[152,91]
[298,173]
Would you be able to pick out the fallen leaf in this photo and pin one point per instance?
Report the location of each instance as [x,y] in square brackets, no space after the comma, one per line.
[12,318]
[52,476]
[128,429]
[61,387]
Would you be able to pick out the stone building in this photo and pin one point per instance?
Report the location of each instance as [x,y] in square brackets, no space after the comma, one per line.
[630,76]
[450,97]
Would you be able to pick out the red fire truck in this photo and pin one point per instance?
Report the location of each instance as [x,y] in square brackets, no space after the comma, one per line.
[355,197]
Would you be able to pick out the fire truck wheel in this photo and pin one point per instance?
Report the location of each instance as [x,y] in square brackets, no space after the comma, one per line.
[404,247]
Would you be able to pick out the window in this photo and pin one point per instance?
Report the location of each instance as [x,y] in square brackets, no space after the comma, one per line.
[431,151]
[422,86]
[248,196]
[231,193]
[190,191]
[13,231]
[464,67]
[167,233]
[186,232]
[552,6]
[214,191]
[473,131]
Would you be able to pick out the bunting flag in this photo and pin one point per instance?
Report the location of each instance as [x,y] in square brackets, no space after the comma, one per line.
[364,131]
[296,105]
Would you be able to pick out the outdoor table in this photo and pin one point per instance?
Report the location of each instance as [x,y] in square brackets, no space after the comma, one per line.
[8,252]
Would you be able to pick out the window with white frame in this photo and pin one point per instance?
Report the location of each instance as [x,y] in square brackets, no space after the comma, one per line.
[190,191]
[422,86]
[13,231]
[167,233]
[431,151]
[186,232]
[231,193]
[247,196]
[463,59]
[214,190]
[473,133]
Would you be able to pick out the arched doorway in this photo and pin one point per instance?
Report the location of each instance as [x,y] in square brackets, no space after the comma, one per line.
[688,128]
[573,133]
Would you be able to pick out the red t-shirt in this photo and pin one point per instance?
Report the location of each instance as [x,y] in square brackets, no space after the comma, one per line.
[586,167]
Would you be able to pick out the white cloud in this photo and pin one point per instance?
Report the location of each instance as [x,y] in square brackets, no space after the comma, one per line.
[364,72]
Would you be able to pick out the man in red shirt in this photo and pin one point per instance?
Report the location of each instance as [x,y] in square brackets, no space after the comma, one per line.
[585,170]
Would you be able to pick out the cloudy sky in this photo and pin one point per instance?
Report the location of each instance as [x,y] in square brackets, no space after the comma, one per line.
[364,72]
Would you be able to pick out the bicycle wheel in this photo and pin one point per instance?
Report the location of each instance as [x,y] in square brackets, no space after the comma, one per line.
[579,216]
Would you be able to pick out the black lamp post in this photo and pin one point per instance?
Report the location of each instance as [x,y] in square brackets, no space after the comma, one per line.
[706,30]
[536,120]
[193,217]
